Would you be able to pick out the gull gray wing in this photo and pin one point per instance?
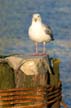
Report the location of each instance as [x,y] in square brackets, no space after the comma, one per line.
[48,31]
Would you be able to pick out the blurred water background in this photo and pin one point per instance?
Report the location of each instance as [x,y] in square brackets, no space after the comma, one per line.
[15,18]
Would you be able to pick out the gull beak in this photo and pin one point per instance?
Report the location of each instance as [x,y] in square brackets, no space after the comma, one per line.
[35,19]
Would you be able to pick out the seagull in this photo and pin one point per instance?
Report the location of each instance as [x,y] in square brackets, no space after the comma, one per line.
[39,33]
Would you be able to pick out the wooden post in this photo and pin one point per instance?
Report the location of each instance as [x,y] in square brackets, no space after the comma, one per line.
[7,80]
[35,72]
[55,79]
[31,73]
[55,76]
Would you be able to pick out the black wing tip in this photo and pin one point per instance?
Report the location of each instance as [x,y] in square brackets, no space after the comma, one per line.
[52,38]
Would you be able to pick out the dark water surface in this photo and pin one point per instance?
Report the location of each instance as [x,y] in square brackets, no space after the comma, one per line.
[15,18]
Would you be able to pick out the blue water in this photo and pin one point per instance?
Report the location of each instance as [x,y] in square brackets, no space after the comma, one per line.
[15,18]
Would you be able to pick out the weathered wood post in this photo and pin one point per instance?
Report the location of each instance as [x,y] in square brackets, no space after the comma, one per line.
[55,81]
[31,72]
[37,81]
[7,81]
[39,71]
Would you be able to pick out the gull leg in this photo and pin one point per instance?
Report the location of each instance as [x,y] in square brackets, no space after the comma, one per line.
[44,48]
[36,49]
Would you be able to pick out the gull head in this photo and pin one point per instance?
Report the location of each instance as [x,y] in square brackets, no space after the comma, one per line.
[36,18]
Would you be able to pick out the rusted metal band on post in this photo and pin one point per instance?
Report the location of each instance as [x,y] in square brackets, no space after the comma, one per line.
[34,97]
